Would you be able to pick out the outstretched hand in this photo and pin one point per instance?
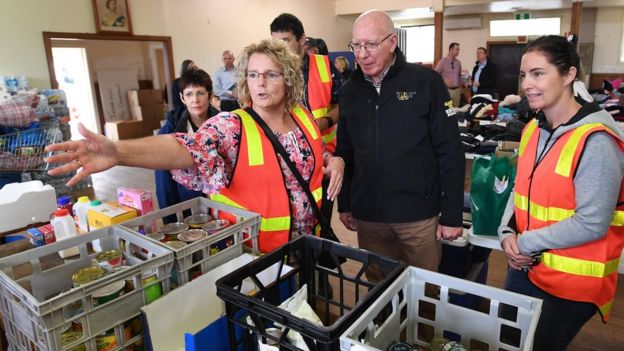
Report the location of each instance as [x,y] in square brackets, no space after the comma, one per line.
[335,171]
[94,154]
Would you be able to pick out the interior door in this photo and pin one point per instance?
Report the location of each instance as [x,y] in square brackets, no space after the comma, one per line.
[506,56]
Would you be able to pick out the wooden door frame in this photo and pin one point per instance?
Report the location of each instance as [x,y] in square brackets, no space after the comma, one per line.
[48,36]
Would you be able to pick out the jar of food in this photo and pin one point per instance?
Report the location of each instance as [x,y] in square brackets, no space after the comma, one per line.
[151,286]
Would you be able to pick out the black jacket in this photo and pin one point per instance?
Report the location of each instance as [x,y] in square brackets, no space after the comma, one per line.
[403,154]
[487,79]
[168,191]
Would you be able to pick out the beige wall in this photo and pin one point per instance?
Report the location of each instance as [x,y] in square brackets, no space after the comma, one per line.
[200,29]
[608,40]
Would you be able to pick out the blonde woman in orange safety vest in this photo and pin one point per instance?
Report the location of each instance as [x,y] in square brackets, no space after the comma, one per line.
[568,199]
[230,157]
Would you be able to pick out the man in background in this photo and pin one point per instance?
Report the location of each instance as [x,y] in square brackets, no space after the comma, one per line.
[320,90]
[484,74]
[450,69]
[225,83]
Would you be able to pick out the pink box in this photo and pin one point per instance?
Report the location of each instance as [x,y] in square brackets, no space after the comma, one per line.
[139,199]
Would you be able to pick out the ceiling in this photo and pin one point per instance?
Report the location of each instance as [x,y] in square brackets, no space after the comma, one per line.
[471,7]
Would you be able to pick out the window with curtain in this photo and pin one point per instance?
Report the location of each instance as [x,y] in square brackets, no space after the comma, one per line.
[419,43]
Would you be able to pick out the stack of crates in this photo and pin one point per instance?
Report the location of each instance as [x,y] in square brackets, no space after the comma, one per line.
[256,309]
[196,258]
[43,309]
[417,308]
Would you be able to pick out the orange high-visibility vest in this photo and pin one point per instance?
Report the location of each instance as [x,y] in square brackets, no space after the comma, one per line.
[258,183]
[319,95]
[545,196]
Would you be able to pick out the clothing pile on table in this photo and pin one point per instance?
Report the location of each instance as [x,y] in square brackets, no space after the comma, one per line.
[611,98]
[509,117]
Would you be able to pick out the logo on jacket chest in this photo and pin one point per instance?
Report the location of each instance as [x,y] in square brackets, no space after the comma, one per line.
[405,95]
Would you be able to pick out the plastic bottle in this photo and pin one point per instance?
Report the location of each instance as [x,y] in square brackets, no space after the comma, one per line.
[80,213]
[64,228]
[65,202]
[97,247]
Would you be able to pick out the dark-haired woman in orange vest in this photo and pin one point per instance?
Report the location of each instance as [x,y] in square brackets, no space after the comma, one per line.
[568,201]
[230,157]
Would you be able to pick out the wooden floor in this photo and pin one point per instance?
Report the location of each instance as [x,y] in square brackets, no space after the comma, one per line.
[595,336]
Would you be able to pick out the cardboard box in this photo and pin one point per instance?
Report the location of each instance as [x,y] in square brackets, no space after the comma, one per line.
[113,87]
[508,149]
[145,97]
[108,214]
[139,199]
[150,113]
[119,130]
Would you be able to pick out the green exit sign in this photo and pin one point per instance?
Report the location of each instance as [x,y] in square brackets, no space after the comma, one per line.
[523,16]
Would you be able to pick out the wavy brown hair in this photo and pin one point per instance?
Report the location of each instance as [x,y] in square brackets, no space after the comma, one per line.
[289,63]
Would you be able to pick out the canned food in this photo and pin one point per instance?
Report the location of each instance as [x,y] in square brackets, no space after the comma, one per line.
[192,235]
[151,286]
[196,221]
[87,275]
[70,336]
[108,293]
[172,230]
[109,259]
[176,244]
[216,225]
[158,236]
[106,341]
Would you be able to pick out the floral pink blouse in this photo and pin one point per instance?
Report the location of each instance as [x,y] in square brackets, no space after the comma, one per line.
[214,148]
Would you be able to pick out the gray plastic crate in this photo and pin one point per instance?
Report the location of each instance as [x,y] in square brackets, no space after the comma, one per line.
[38,305]
[196,255]
[396,316]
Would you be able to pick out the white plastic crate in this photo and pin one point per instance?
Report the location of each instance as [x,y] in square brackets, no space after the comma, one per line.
[38,305]
[397,316]
[196,255]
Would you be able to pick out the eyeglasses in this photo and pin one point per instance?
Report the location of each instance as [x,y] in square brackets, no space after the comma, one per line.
[370,47]
[271,76]
[199,94]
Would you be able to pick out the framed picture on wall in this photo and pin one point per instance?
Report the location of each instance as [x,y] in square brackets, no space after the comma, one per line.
[112,16]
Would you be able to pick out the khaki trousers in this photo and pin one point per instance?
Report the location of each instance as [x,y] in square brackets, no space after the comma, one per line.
[455,96]
[414,243]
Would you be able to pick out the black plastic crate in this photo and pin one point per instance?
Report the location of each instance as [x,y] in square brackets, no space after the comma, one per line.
[352,294]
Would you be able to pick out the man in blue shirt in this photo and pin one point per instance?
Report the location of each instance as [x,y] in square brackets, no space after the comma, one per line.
[225,83]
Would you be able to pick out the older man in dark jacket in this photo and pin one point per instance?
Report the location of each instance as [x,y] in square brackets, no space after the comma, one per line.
[404,162]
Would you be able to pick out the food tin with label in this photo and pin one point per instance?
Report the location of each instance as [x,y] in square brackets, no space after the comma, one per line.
[87,275]
[158,236]
[108,293]
[69,335]
[176,244]
[216,225]
[192,235]
[151,286]
[106,341]
[109,259]
[198,220]
[172,230]
[213,227]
